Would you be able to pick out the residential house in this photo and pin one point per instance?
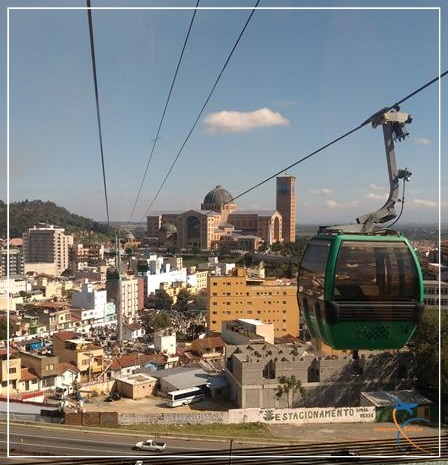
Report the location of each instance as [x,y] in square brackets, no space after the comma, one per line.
[132,331]
[42,364]
[9,375]
[84,354]
[66,378]
[208,348]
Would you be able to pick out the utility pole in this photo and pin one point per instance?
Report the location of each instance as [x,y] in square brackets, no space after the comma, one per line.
[119,293]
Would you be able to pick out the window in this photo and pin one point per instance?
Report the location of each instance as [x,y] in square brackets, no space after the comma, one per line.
[12,370]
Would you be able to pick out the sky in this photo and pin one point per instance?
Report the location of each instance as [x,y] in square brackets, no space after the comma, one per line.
[297,79]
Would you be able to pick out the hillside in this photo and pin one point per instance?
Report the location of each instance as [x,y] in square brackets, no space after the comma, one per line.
[29,213]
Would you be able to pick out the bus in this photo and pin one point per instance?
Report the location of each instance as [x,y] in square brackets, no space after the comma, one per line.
[185,396]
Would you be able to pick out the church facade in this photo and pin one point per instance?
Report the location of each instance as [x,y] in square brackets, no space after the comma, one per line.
[217,224]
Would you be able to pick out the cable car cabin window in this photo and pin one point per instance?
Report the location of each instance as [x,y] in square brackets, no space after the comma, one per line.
[313,267]
[381,271]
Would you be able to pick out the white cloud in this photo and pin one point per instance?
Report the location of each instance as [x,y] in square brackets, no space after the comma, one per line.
[375,187]
[425,203]
[236,121]
[373,196]
[421,140]
[322,190]
[335,204]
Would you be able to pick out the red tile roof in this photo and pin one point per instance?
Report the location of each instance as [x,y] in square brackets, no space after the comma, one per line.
[65,335]
[26,375]
[64,366]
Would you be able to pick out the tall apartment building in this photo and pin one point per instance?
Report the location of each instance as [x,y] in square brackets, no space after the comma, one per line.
[286,205]
[239,296]
[132,295]
[15,260]
[46,250]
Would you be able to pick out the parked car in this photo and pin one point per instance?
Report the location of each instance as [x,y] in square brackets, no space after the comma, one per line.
[151,444]
[112,396]
[345,455]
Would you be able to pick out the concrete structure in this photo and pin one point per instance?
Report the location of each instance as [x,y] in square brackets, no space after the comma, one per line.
[334,381]
[286,205]
[16,285]
[84,354]
[15,260]
[136,386]
[132,293]
[9,376]
[51,287]
[218,223]
[239,296]
[165,342]
[208,348]
[132,331]
[54,316]
[246,331]
[46,250]
[45,366]
[433,295]
[90,298]
[82,256]
[162,271]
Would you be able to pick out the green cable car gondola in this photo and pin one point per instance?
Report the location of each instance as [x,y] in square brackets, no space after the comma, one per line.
[361,291]
[360,286]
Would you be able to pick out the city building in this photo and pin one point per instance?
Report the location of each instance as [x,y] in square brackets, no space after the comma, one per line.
[132,295]
[219,223]
[43,365]
[240,296]
[435,293]
[46,250]
[82,256]
[85,355]
[286,206]
[15,261]
[246,331]
[161,271]
[90,298]
[165,342]
[10,372]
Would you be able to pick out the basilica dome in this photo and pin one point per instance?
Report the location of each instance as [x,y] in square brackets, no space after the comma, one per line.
[217,196]
[168,228]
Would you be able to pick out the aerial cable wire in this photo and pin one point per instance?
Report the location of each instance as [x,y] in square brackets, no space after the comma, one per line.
[367,121]
[92,52]
[164,111]
[203,107]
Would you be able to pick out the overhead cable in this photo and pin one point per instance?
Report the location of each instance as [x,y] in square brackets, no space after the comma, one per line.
[163,113]
[367,121]
[92,52]
[203,107]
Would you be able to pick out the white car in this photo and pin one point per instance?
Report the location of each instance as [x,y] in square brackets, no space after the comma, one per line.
[151,444]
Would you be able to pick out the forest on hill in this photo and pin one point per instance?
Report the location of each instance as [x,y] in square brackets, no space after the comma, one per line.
[28,213]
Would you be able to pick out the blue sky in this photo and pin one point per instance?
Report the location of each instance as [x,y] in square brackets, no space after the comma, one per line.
[297,80]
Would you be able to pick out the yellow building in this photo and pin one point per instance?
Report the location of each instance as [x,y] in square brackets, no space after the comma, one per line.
[240,296]
[85,355]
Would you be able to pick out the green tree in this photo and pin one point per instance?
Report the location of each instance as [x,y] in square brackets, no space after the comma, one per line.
[162,301]
[183,301]
[3,329]
[289,386]
[425,347]
[26,296]
[161,321]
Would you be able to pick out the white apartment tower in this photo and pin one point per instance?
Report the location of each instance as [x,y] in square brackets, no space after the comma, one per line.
[46,249]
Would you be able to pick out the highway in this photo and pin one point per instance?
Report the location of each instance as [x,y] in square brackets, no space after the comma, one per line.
[37,440]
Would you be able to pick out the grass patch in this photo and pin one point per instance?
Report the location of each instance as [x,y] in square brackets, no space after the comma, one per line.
[246,430]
